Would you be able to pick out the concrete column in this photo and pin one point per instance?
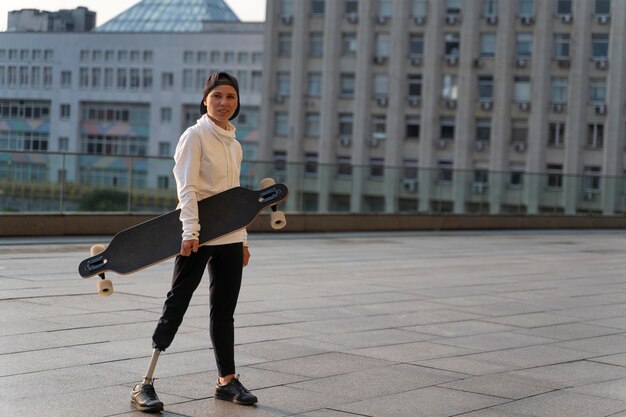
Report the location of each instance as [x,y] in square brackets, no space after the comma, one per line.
[397,103]
[467,85]
[613,152]
[328,108]
[577,102]
[431,99]
[540,101]
[503,97]
[362,103]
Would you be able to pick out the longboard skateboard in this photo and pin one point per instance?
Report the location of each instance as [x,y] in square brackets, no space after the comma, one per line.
[158,239]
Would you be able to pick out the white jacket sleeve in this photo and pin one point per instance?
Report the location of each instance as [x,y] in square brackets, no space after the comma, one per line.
[187,173]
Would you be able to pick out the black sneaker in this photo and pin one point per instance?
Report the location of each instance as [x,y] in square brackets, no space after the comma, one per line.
[235,392]
[144,398]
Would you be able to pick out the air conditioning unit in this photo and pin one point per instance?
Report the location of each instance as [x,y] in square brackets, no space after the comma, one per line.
[376,139]
[453,19]
[523,105]
[451,103]
[477,62]
[352,17]
[419,20]
[563,62]
[414,101]
[566,18]
[519,146]
[527,20]
[603,19]
[588,195]
[521,62]
[480,145]
[382,101]
[492,19]
[287,20]
[557,107]
[486,105]
[601,109]
[416,60]
[479,187]
[441,143]
[345,140]
[410,185]
[380,59]
[602,64]
[381,20]
[452,59]
[280,98]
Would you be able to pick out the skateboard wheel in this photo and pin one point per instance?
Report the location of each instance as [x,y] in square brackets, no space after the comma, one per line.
[267,182]
[97,249]
[105,287]
[278,220]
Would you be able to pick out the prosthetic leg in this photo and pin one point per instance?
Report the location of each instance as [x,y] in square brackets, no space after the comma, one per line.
[153,362]
[143,397]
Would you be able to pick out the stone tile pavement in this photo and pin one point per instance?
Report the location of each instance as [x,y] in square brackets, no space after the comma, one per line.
[493,324]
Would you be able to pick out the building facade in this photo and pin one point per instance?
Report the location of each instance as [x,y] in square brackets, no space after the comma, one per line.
[31,20]
[109,99]
[447,105]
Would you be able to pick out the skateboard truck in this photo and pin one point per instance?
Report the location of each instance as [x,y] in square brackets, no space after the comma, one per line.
[277,218]
[105,286]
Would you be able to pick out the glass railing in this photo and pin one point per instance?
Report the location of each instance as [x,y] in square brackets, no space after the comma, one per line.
[64,182]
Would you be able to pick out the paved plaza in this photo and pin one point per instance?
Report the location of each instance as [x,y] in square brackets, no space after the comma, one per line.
[493,324]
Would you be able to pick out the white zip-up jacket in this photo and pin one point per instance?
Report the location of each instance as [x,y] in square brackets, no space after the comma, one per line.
[207,162]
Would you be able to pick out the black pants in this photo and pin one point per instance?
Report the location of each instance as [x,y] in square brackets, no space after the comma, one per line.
[225,264]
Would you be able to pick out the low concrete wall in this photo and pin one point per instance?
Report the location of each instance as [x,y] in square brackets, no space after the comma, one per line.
[108,224]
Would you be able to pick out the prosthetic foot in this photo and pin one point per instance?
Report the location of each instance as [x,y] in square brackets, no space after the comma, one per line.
[143,397]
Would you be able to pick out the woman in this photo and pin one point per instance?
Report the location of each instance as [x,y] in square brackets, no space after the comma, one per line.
[207,161]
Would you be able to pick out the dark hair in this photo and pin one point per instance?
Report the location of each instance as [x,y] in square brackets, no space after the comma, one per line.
[219,78]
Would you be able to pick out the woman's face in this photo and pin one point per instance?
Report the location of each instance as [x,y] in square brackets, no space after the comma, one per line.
[221,104]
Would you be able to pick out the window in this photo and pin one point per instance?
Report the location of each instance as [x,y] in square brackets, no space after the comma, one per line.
[134,78]
[561,45]
[164,149]
[312,125]
[284,44]
[379,127]
[348,43]
[134,56]
[384,9]
[65,111]
[346,85]
[95,78]
[602,8]
[281,120]
[519,131]
[286,8]
[555,175]
[381,85]
[109,55]
[600,46]
[381,45]
[351,7]
[188,57]
[414,85]
[556,134]
[310,163]
[147,56]
[344,165]
[453,7]
[526,7]
[564,7]
[257,57]
[559,90]
[412,127]
[280,161]
[166,114]
[255,82]
[35,76]
[345,124]
[483,129]
[517,176]
[521,90]
[64,144]
[449,87]
[452,44]
[481,176]
[377,167]
[187,79]
[418,9]
[121,78]
[229,57]
[416,46]
[163,182]
[282,84]
[524,44]
[167,80]
[597,91]
[595,136]
[96,56]
[316,44]
[122,56]
[84,55]
[410,168]
[66,79]
[485,88]
[314,87]
[108,78]
[591,179]
[447,127]
[487,45]
[490,8]
[445,171]
[317,7]
[216,57]
[243,57]
[147,78]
